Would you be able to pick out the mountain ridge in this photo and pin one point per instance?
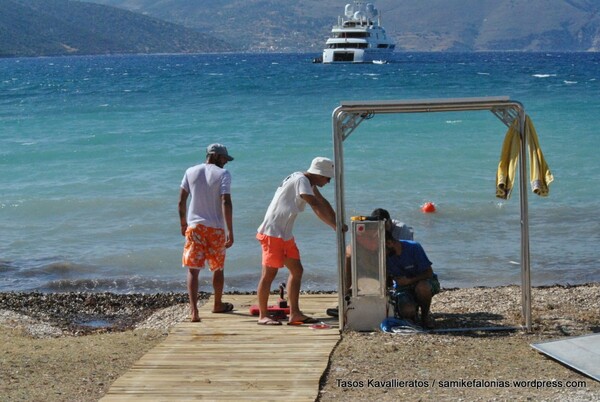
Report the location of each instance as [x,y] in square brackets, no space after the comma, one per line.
[423,25]
[63,27]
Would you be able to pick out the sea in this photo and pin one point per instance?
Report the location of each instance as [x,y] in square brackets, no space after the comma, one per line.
[93,150]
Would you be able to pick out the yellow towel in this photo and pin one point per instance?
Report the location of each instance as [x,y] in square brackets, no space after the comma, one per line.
[540,175]
[539,172]
[505,176]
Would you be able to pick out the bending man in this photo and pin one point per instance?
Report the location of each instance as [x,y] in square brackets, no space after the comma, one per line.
[277,241]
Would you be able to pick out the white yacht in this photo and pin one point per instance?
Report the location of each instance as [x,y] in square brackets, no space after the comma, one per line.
[358,36]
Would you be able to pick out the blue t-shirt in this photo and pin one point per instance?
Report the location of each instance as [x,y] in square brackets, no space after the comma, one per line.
[410,263]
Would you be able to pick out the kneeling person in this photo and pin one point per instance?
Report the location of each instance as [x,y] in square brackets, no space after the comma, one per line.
[414,281]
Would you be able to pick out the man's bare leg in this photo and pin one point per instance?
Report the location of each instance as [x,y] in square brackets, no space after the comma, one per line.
[293,288]
[218,282]
[424,296]
[263,292]
[192,287]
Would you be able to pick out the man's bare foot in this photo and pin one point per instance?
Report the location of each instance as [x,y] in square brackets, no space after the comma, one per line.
[223,308]
[268,321]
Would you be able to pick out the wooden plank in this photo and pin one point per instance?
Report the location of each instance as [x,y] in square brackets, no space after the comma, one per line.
[230,357]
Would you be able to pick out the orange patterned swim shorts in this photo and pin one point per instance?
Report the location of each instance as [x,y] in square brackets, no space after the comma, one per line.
[204,243]
[275,250]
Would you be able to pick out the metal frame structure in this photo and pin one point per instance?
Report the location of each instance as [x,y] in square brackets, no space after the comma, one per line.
[349,115]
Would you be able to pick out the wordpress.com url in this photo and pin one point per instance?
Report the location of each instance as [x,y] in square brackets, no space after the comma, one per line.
[460,383]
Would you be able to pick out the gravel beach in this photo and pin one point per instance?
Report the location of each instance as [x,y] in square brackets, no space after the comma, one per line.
[72,346]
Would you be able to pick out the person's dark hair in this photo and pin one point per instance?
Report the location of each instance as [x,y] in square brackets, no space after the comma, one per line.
[381,214]
[212,158]
[389,236]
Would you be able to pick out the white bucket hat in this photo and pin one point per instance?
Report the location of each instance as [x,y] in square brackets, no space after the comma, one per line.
[321,166]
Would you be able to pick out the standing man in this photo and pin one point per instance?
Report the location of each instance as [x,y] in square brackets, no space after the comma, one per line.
[277,241]
[207,224]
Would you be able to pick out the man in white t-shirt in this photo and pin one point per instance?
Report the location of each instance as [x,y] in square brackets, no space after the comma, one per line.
[207,224]
[277,241]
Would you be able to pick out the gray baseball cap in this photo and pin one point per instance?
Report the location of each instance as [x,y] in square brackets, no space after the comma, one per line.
[218,149]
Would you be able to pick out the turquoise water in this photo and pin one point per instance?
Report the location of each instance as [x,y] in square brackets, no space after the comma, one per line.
[94,148]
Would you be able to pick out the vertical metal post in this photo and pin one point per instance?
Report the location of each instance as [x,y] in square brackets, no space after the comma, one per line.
[382,260]
[525,262]
[338,160]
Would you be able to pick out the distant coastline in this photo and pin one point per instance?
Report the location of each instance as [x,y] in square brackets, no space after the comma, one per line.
[396,56]
[37,28]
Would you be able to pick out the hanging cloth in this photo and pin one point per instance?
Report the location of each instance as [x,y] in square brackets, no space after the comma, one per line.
[540,175]
[505,176]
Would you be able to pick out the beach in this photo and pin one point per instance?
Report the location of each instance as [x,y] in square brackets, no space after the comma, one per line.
[94,149]
[72,346]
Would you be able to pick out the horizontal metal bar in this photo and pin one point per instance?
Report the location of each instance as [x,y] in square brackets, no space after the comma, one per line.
[429,105]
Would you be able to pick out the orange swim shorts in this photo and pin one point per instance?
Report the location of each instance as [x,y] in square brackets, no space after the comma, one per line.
[275,250]
[204,243]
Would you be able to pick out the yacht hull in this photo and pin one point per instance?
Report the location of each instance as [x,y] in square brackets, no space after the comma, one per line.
[354,55]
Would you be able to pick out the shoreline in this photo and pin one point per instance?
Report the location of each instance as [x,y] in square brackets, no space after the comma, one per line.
[46,336]
[86,313]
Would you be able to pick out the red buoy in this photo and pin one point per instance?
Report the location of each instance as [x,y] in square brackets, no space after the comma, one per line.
[428,207]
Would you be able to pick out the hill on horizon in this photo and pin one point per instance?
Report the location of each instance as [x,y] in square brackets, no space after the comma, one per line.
[68,27]
[61,27]
[415,25]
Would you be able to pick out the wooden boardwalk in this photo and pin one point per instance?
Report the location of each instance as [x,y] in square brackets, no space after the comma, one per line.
[230,357]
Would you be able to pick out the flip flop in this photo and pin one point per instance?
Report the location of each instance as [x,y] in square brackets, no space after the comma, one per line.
[307,320]
[228,308]
[320,326]
[269,321]
[332,312]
